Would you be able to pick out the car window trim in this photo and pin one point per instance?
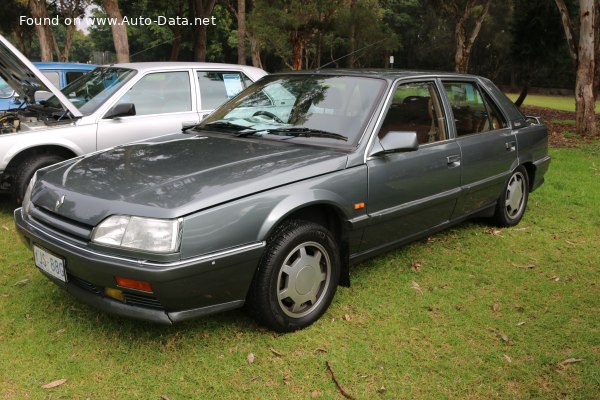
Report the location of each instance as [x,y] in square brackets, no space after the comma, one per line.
[387,103]
[482,90]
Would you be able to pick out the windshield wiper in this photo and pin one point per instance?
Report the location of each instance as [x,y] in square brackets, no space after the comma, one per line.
[298,131]
[217,125]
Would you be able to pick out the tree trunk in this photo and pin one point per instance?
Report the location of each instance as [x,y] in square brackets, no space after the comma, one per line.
[568,28]
[584,86]
[202,9]
[255,48]
[464,45]
[241,34]
[38,10]
[119,32]
[297,49]
[522,95]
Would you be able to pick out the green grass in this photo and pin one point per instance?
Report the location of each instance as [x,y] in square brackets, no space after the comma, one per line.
[565,103]
[443,342]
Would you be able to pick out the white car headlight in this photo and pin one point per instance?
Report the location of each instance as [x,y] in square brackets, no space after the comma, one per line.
[147,234]
[26,202]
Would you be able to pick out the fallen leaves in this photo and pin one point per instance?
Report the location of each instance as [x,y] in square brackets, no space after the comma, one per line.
[346,317]
[416,266]
[569,361]
[495,308]
[22,282]
[250,358]
[507,358]
[493,232]
[277,353]
[54,384]
[500,335]
[416,287]
[526,266]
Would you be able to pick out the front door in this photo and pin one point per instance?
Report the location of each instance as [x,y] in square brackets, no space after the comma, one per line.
[411,192]
[163,103]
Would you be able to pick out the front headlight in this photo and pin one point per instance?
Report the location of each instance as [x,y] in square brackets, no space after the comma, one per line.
[26,202]
[147,234]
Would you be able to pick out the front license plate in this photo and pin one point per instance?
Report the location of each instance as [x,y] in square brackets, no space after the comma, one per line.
[49,263]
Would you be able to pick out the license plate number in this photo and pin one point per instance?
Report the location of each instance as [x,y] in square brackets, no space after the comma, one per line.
[49,263]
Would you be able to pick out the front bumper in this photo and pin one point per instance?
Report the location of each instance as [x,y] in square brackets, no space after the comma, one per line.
[182,289]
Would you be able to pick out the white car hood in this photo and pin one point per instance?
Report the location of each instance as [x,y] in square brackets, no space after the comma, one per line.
[26,79]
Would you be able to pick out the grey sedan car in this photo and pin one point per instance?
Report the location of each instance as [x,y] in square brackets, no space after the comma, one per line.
[272,197]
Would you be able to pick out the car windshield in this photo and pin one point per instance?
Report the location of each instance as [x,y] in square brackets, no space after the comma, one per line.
[5,90]
[91,90]
[316,109]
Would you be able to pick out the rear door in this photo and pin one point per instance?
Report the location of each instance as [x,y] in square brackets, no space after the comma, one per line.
[487,144]
[164,103]
[410,192]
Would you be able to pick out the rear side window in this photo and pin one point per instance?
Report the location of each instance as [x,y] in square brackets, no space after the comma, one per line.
[52,77]
[474,111]
[160,93]
[218,87]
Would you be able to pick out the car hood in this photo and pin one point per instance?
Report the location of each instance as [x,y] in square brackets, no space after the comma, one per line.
[25,78]
[175,175]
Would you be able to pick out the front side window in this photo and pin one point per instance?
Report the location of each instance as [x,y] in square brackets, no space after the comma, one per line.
[160,93]
[93,89]
[473,111]
[416,107]
[312,109]
[218,87]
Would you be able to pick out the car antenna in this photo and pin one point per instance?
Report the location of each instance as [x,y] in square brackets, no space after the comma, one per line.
[349,54]
[150,48]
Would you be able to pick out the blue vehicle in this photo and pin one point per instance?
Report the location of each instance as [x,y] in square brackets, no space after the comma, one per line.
[59,73]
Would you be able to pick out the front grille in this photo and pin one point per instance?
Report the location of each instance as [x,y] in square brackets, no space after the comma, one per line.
[65,226]
[133,299]
[142,301]
[85,285]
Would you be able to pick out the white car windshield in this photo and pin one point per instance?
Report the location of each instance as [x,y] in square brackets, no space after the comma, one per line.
[91,90]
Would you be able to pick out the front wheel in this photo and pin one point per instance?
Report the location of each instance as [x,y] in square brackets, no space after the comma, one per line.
[513,200]
[27,169]
[297,277]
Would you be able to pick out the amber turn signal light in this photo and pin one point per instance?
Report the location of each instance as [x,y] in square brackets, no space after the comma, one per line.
[134,284]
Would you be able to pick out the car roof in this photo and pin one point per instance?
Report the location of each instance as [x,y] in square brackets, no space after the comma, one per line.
[144,66]
[63,65]
[390,74]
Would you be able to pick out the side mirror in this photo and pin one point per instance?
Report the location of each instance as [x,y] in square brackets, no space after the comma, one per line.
[397,141]
[533,120]
[121,110]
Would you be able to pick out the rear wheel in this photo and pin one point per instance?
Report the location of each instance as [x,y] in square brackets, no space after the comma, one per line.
[26,170]
[513,201]
[297,277]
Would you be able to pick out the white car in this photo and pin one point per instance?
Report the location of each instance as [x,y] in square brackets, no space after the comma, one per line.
[111,105]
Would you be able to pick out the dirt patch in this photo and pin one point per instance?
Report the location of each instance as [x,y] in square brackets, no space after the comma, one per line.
[561,132]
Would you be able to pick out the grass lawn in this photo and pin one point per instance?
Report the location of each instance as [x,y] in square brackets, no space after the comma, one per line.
[566,103]
[471,313]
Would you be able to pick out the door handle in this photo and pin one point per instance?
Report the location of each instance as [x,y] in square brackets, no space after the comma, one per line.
[453,161]
[511,146]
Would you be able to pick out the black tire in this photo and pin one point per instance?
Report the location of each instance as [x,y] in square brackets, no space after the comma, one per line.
[312,258]
[512,202]
[26,170]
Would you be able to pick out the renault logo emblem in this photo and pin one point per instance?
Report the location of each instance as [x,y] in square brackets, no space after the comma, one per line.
[59,202]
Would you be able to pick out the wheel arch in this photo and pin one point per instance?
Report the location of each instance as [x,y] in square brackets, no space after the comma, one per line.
[23,154]
[323,208]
